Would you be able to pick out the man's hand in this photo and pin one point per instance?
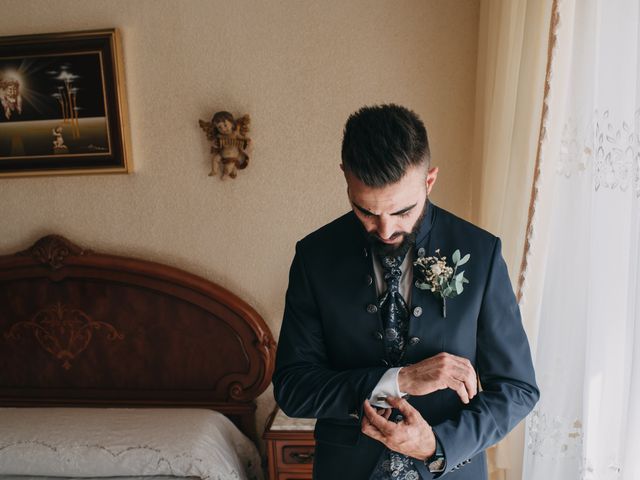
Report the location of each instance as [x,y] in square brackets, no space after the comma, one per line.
[437,373]
[412,437]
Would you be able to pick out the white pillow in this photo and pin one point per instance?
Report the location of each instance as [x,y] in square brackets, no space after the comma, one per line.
[95,442]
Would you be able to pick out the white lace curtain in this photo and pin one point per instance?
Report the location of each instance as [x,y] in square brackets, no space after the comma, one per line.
[583,274]
[512,60]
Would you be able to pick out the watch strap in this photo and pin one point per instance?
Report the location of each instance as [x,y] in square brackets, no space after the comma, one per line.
[436,463]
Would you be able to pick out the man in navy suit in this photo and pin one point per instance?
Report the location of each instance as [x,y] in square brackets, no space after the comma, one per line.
[394,381]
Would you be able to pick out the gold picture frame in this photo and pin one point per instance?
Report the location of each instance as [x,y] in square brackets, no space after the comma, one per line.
[63,106]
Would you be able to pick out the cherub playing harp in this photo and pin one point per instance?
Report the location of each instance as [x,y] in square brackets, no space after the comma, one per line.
[230,149]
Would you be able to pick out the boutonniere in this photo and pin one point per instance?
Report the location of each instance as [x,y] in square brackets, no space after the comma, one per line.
[433,273]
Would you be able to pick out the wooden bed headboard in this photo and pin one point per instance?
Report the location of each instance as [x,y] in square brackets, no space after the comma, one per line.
[79,328]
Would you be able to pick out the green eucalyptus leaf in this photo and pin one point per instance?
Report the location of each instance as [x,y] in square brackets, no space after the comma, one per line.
[456,257]
[464,259]
[460,277]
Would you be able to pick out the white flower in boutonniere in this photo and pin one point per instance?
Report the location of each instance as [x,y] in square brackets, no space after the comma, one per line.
[433,273]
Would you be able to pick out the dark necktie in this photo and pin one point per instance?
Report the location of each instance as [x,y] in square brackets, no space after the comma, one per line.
[393,311]
[395,320]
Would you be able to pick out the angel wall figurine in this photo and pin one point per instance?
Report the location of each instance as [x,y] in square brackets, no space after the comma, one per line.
[58,141]
[230,149]
[10,96]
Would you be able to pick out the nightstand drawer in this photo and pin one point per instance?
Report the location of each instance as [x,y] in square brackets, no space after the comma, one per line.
[290,447]
[294,454]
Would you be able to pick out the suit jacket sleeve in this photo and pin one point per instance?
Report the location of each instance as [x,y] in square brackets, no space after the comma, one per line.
[505,369]
[305,384]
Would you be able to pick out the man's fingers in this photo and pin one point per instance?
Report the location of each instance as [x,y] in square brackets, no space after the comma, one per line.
[382,424]
[472,386]
[384,412]
[409,413]
[365,421]
[468,385]
[469,380]
[366,424]
[459,388]
[443,370]
[371,431]
[369,411]
[368,428]
[378,421]
[463,372]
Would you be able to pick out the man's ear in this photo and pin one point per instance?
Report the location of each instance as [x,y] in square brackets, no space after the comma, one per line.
[344,172]
[432,175]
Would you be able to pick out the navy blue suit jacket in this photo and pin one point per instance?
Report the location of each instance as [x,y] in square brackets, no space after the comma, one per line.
[330,356]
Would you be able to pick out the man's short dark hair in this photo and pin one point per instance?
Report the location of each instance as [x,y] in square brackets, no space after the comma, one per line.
[381,142]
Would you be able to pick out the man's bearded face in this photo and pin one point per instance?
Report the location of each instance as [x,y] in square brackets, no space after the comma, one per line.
[392,214]
[408,239]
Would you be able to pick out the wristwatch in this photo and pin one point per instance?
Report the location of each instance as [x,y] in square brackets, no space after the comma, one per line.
[436,462]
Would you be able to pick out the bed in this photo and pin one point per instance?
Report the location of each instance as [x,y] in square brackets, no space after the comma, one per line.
[114,366]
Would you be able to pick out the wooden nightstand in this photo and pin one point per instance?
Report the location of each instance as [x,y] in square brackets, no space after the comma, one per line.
[290,447]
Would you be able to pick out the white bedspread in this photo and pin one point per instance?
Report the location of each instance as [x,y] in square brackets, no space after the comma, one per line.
[91,442]
[38,477]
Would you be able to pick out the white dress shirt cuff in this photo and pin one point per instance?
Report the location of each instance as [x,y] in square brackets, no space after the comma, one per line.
[387,386]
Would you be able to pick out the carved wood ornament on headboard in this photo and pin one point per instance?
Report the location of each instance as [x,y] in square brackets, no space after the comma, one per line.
[89,329]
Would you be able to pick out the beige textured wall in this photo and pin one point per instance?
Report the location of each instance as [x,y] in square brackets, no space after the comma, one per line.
[299,68]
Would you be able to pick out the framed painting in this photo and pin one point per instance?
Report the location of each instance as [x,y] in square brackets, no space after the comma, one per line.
[62,105]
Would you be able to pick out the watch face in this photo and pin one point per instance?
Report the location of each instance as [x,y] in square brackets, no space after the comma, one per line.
[436,466]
